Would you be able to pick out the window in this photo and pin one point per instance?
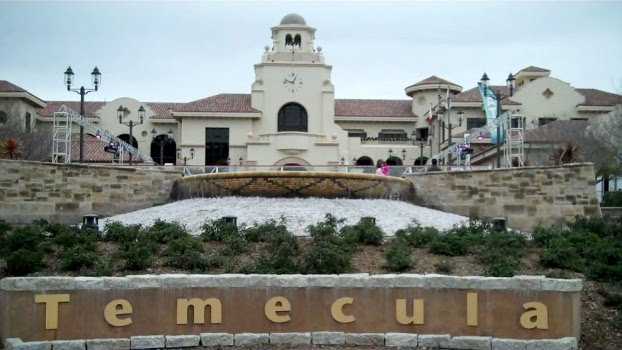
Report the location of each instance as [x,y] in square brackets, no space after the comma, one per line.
[288,39]
[475,123]
[3,117]
[292,117]
[515,123]
[27,121]
[544,121]
[385,134]
[422,134]
[297,40]
[357,133]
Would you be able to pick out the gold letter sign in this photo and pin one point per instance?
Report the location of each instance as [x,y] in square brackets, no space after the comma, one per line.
[336,310]
[112,311]
[539,314]
[51,302]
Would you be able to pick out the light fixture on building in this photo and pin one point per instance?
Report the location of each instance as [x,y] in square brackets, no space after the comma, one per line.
[403,153]
[390,153]
[241,160]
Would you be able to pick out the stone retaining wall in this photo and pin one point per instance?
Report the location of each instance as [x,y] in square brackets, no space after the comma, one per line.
[527,197]
[445,322]
[297,184]
[65,192]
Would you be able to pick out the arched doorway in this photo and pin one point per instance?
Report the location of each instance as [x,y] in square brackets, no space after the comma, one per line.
[126,138]
[364,161]
[393,160]
[421,161]
[164,150]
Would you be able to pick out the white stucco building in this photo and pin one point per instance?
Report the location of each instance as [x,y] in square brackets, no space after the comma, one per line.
[291,117]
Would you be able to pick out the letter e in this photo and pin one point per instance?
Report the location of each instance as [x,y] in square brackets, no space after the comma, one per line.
[112,311]
[277,304]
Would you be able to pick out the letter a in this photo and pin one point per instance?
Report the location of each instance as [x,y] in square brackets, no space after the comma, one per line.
[539,314]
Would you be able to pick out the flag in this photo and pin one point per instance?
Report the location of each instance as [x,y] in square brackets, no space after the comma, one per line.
[430,116]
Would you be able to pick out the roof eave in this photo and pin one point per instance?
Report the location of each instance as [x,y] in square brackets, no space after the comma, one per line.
[25,95]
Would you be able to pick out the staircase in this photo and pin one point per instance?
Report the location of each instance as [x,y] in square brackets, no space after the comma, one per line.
[62,137]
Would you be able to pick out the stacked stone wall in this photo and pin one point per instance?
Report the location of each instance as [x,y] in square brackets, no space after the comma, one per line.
[527,197]
[65,192]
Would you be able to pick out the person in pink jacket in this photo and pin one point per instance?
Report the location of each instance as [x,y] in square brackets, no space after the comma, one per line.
[382,168]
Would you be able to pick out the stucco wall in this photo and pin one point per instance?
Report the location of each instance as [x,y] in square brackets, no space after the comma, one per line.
[527,197]
[63,193]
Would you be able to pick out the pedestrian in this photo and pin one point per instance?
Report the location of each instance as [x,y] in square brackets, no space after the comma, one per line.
[382,168]
[434,166]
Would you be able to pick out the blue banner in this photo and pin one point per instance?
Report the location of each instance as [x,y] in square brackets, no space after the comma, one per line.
[490,106]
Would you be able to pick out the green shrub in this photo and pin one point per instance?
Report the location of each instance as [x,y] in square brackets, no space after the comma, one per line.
[117,232]
[186,253]
[23,262]
[365,231]
[217,230]
[416,235]
[449,244]
[163,232]
[328,252]
[603,227]
[136,256]
[72,236]
[542,237]
[603,260]
[502,252]
[4,228]
[102,267]
[267,231]
[397,253]
[78,257]
[561,254]
[444,267]
[28,237]
[613,300]
[612,199]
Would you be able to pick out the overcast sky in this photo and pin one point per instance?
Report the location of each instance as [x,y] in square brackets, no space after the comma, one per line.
[165,51]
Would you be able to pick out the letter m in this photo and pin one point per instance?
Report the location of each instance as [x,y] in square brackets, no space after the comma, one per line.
[199,306]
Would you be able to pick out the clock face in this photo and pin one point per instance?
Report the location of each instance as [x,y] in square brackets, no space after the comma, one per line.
[292,82]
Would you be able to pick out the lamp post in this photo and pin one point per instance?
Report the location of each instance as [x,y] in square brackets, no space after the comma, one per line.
[440,114]
[96,78]
[161,142]
[390,153]
[403,153]
[185,158]
[510,83]
[131,123]
[241,160]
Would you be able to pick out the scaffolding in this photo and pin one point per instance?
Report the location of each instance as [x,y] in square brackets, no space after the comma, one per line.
[61,134]
[514,149]
[62,137]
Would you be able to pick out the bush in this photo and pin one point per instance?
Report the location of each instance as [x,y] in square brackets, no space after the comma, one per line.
[561,254]
[416,235]
[365,231]
[449,244]
[117,232]
[328,253]
[4,228]
[217,230]
[613,300]
[542,237]
[28,237]
[163,232]
[77,257]
[186,253]
[136,256]
[604,260]
[397,254]
[267,231]
[502,252]
[23,262]
[69,237]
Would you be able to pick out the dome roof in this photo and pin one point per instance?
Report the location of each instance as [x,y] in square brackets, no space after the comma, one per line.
[293,18]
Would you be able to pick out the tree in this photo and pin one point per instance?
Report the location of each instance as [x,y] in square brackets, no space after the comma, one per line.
[10,148]
[34,144]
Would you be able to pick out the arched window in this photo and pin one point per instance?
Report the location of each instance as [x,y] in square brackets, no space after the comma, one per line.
[297,40]
[288,39]
[292,117]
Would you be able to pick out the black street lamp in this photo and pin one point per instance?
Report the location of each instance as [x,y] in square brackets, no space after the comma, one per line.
[510,83]
[390,153]
[161,142]
[141,116]
[185,158]
[403,153]
[440,114]
[96,78]
[241,160]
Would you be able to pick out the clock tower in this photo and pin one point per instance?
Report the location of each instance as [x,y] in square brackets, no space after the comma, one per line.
[294,93]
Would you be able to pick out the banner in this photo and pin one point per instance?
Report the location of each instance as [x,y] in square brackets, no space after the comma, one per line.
[490,106]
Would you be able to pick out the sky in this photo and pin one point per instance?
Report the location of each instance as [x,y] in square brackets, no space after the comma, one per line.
[181,51]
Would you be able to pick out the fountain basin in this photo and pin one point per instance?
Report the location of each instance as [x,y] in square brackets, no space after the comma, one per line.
[293,184]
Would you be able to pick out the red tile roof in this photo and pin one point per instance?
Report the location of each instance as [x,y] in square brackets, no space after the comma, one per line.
[556,131]
[53,106]
[434,80]
[534,69]
[473,95]
[227,103]
[6,86]
[163,109]
[595,97]
[373,108]
[93,149]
